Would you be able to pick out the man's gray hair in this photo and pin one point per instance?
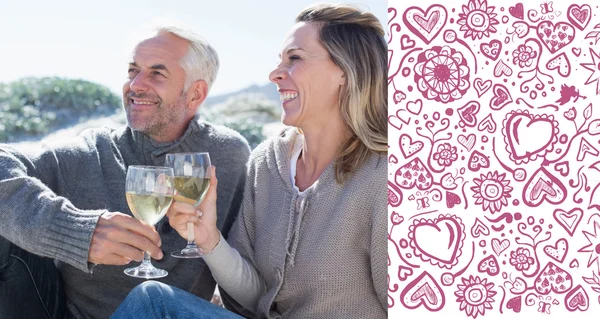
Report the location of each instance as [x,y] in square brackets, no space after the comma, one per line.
[201,61]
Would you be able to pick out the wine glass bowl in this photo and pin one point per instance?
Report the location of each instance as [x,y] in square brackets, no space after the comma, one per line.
[191,181]
[149,191]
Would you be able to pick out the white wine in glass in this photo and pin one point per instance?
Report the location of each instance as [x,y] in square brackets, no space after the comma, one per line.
[149,192]
[192,180]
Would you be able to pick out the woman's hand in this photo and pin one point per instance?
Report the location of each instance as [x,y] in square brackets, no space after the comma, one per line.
[204,217]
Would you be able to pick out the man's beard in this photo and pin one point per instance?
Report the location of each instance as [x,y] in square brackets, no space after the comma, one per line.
[164,116]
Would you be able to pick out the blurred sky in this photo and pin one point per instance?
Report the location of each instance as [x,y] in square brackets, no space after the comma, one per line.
[91,40]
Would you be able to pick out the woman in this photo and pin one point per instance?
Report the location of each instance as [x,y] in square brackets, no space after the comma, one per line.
[311,238]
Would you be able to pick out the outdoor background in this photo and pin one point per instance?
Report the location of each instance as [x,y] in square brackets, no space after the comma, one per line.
[63,63]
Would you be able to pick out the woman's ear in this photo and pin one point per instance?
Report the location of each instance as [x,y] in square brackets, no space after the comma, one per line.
[197,93]
[342,79]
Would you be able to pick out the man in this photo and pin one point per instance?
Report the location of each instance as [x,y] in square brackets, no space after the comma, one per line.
[67,202]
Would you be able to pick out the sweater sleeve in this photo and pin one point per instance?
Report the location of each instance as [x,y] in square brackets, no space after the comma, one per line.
[34,217]
[233,266]
[379,251]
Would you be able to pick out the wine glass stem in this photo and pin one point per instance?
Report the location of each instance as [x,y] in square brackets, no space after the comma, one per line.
[146,263]
[190,234]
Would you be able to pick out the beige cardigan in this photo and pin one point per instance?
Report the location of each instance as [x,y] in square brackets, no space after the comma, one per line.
[323,255]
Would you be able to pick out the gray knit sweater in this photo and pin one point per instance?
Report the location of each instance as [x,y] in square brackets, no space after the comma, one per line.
[323,255]
[50,201]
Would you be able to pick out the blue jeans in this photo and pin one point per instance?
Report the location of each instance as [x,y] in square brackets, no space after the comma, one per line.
[30,285]
[153,299]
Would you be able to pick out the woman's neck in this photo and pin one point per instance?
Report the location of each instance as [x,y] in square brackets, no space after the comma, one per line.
[321,147]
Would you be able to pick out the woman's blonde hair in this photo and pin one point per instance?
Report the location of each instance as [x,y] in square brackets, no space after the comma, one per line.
[356,43]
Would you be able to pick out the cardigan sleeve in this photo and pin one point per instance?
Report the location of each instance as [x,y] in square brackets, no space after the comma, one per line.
[233,267]
[33,216]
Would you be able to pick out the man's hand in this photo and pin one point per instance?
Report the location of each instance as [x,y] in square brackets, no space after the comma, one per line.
[120,238]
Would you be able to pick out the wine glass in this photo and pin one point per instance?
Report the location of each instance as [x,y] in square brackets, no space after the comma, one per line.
[149,191]
[192,179]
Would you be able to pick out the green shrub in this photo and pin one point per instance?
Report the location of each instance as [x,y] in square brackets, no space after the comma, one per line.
[245,113]
[33,107]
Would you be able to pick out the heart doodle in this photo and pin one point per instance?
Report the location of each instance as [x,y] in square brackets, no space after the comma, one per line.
[518,12]
[414,107]
[479,229]
[488,124]
[560,63]
[467,142]
[452,199]
[500,246]
[468,113]
[514,304]
[393,159]
[408,147]
[502,69]
[519,125]
[501,97]
[577,299]
[563,168]
[414,173]
[543,186]
[406,42]
[576,51]
[574,263]
[438,241]
[553,279]
[555,36]
[559,251]
[399,120]
[568,220]
[426,25]
[580,16]
[423,291]
[404,272]
[491,50]
[478,161]
[482,87]
[489,265]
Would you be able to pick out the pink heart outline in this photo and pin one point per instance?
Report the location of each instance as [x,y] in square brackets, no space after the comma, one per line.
[477,161]
[408,147]
[418,22]
[547,136]
[489,265]
[445,251]
[574,14]
[492,49]
[560,62]
[563,218]
[488,124]
[500,246]
[468,113]
[559,251]
[548,29]
[482,87]
[408,183]
[433,301]
[577,299]
[479,229]
[501,97]
[545,281]
[543,186]
[467,141]
[406,42]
